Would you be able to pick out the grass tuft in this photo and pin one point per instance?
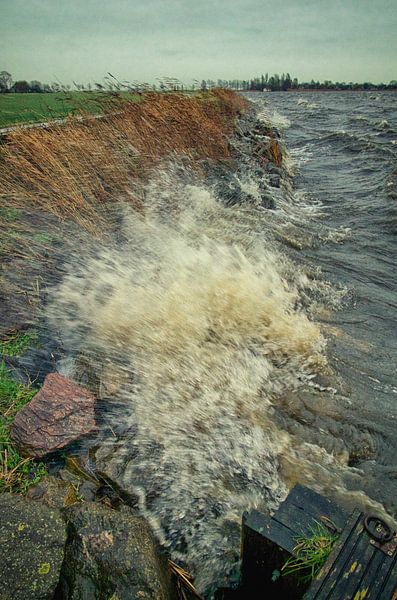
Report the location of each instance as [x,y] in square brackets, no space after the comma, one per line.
[15,344]
[311,554]
[17,474]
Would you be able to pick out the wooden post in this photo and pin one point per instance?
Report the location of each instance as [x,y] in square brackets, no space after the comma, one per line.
[266,546]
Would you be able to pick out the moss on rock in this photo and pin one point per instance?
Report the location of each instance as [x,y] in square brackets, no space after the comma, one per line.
[32,540]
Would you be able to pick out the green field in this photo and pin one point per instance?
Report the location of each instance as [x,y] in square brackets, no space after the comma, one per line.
[36,108]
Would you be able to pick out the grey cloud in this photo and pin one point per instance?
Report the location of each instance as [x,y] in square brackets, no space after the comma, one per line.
[338,39]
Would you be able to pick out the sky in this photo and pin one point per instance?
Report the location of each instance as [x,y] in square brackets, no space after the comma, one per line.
[83,40]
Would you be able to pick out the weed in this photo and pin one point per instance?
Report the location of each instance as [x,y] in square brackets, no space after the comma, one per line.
[17,474]
[311,553]
[17,343]
[44,237]
[9,214]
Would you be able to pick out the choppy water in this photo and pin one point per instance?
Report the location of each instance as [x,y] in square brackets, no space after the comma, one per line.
[230,367]
[345,146]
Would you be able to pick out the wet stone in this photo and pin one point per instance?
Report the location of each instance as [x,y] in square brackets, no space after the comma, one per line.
[271,168]
[267,201]
[32,539]
[87,491]
[112,554]
[111,466]
[274,180]
[54,492]
[60,413]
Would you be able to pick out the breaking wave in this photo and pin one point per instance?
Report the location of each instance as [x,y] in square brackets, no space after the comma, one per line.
[211,369]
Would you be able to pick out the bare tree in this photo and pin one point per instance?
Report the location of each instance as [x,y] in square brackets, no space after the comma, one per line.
[5,81]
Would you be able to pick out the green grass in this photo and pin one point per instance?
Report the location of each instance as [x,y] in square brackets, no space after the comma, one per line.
[311,554]
[13,395]
[17,474]
[20,236]
[44,237]
[9,214]
[16,344]
[35,108]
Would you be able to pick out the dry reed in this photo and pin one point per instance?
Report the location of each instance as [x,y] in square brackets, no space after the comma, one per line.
[72,169]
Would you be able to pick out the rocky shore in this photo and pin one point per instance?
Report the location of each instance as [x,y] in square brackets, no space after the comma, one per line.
[73,530]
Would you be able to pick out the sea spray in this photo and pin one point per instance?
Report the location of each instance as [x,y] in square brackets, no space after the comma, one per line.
[200,316]
[197,328]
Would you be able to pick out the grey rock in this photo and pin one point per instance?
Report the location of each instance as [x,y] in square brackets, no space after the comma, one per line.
[271,168]
[87,491]
[267,201]
[274,180]
[230,193]
[110,554]
[32,540]
[53,492]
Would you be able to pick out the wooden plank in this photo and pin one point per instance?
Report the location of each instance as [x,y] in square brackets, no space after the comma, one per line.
[266,546]
[348,581]
[304,507]
[388,590]
[272,530]
[345,551]
[356,569]
[377,575]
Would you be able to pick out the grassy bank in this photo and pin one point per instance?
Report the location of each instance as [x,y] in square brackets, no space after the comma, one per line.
[67,174]
[18,109]
[70,169]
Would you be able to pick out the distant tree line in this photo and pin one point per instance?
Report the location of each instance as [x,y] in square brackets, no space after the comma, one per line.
[284,82]
[274,83]
[7,85]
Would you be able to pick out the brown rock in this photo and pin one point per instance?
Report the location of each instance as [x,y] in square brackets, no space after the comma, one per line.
[60,413]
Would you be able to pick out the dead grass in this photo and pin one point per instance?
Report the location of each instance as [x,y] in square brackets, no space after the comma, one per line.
[71,170]
[184,583]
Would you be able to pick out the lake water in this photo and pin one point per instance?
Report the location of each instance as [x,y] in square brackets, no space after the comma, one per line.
[244,346]
[345,146]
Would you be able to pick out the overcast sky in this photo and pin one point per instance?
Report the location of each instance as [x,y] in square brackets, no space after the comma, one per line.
[344,40]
